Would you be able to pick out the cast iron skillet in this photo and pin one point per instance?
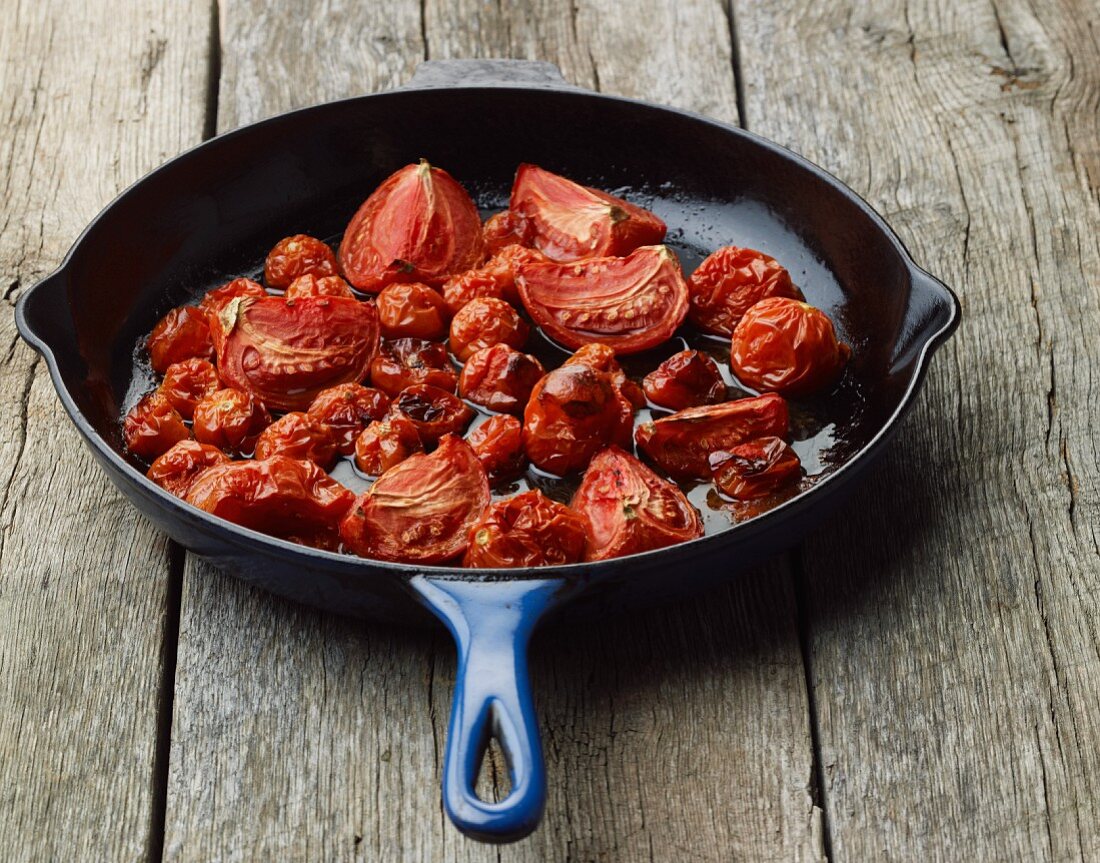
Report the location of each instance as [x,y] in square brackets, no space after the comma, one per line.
[216,210]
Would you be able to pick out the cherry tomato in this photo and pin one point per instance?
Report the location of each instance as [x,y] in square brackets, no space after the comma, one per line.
[569,221]
[298,435]
[602,358]
[286,352]
[434,411]
[385,443]
[755,469]
[630,509]
[231,420]
[730,282]
[421,510]
[498,443]
[503,230]
[413,311]
[629,304]
[686,380]
[181,334]
[418,226]
[214,301]
[153,426]
[300,255]
[188,382]
[786,346]
[176,470]
[310,285]
[347,409]
[500,378]
[682,443]
[483,323]
[405,362]
[526,530]
[496,278]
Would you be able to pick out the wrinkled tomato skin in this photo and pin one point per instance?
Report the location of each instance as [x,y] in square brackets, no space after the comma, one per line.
[153,426]
[298,435]
[347,409]
[685,380]
[602,358]
[526,530]
[756,469]
[421,510]
[434,411]
[214,301]
[496,278]
[420,225]
[630,304]
[731,281]
[568,221]
[787,346]
[629,509]
[286,352]
[296,256]
[176,470]
[181,334]
[505,229]
[500,378]
[230,420]
[483,323]
[385,443]
[681,444]
[405,362]
[498,443]
[188,382]
[413,311]
[310,285]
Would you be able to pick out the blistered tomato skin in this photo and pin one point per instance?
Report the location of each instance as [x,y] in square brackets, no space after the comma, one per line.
[685,380]
[298,435]
[176,470]
[731,281]
[787,346]
[231,420]
[413,311]
[629,509]
[498,443]
[500,378]
[681,444]
[602,358]
[188,382]
[496,278]
[434,411]
[505,229]
[386,443]
[405,362]
[526,530]
[214,301]
[153,426]
[347,409]
[483,323]
[181,334]
[311,285]
[756,469]
[421,510]
[299,255]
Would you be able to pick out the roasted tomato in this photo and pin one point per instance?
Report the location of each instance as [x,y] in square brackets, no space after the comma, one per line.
[434,411]
[177,470]
[421,510]
[568,221]
[755,469]
[310,285]
[685,380]
[602,358]
[405,362]
[786,346]
[629,304]
[496,278]
[286,352]
[188,382]
[498,443]
[418,226]
[214,301]
[412,311]
[682,443]
[347,409]
[300,255]
[280,495]
[153,426]
[486,322]
[526,530]
[630,509]
[231,420]
[298,435]
[500,378]
[385,443]
[181,334]
[503,230]
[730,282]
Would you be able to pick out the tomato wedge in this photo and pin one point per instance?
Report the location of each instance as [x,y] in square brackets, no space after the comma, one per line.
[418,226]
[567,221]
[630,509]
[286,352]
[630,304]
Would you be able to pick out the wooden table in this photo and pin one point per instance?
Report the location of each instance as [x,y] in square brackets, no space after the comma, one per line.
[919,681]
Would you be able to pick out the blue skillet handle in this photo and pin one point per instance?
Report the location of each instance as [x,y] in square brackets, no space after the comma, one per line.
[492,624]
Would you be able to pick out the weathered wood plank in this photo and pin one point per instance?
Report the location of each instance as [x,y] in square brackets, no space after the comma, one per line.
[92,96]
[954,611]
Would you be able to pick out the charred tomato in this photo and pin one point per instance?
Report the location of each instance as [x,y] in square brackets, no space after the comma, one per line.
[311,285]
[188,382]
[347,409]
[181,334]
[298,435]
[176,470]
[153,426]
[214,301]
[526,530]
[602,358]
[385,443]
[412,311]
[755,469]
[685,380]
[405,362]
[485,322]
[500,378]
[434,411]
[731,281]
[498,443]
[231,420]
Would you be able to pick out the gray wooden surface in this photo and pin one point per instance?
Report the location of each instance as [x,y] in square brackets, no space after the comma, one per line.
[920,681]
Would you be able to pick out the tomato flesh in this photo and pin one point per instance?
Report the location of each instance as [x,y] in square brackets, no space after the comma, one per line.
[729,282]
[755,469]
[526,530]
[176,470]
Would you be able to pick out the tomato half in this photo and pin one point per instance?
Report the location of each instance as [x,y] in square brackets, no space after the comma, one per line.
[153,426]
[500,378]
[181,334]
[188,382]
[176,470]
[296,256]
[755,469]
[298,435]
[347,409]
[434,411]
[629,304]
[685,380]
[731,281]
[405,362]
[498,443]
[526,530]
